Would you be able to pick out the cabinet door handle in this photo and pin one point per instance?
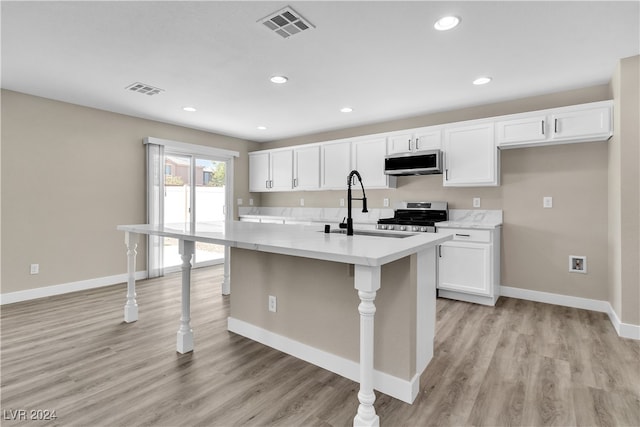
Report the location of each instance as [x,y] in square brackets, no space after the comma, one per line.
[295,182]
[417,144]
[446,174]
[440,251]
[555,126]
[543,127]
[409,142]
[266,183]
[463,235]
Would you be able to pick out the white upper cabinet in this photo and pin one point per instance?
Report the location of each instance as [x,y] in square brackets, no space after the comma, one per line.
[415,140]
[368,160]
[578,123]
[306,167]
[259,173]
[470,156]
[281,170]
[335,165]
[271,170]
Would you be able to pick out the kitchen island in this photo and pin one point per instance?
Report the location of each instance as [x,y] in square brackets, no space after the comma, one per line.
[311,273]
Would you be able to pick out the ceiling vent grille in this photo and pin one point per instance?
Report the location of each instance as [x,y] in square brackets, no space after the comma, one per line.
[286,22]
[144,88]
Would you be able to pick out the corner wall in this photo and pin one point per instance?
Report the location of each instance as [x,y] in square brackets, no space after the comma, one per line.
[70,175]
[624,194]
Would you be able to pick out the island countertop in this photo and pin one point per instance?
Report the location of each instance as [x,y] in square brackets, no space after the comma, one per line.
[307,241]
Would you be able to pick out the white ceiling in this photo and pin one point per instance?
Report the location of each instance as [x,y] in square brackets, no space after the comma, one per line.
[384,59]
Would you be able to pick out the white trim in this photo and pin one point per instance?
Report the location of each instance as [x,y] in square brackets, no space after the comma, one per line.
[624,330]
[65,288]
[191,148]
[405,390]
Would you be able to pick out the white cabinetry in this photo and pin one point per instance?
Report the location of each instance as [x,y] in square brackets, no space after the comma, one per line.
[416,140]
[271,170]
[368,160]
[306,167]
[578,123]
[469,265]
[470,155]
[335,164]
[366,155]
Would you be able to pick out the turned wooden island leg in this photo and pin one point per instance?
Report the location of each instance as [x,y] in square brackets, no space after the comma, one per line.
[367,282]
[131,306]
[185,333]
[226,284]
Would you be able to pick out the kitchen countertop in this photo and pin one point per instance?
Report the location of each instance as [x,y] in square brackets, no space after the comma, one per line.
[307,241]
[477,219]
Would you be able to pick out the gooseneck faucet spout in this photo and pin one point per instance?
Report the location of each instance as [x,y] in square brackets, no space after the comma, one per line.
[350,198]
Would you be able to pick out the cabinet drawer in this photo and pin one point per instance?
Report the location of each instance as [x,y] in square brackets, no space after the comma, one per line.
[467,235]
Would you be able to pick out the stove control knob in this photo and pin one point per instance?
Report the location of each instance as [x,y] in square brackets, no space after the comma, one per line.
[423,228]
[415,228]
[382,226]
[390,227]
[402,228]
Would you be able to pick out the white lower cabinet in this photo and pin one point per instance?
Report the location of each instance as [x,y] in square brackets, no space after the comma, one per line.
[469,265]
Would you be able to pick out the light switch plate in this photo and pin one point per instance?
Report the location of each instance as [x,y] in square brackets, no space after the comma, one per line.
[34,269]
[547,202]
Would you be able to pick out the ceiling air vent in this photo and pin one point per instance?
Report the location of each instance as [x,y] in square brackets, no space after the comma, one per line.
[286,22]
[144,88]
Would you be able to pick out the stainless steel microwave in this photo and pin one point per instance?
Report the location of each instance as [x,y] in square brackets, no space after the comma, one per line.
[423,163]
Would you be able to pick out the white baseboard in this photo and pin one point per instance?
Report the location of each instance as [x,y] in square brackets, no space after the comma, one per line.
[624,330]
[405,390]
[65,288]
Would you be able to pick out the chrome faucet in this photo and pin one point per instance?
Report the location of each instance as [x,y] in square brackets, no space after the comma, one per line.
[350,198]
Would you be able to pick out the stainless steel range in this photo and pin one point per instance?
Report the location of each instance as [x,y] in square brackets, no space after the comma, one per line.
[416,217]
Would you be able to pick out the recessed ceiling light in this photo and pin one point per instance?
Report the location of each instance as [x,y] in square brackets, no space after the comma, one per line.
[189,109]
[346,109]
[262,128]
[446,23]
[481,81]
[279,79]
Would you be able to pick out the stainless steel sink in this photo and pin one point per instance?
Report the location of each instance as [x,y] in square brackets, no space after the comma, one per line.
[371,233]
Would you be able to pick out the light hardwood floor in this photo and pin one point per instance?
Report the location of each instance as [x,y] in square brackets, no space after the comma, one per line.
[520,363]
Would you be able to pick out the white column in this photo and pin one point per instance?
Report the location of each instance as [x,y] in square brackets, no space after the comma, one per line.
[226,284]
[185,333]
[131,306]
[367,282]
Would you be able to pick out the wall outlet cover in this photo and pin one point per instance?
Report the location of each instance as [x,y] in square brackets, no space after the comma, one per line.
[273,303]
[476,202]
[577,264]
[250,202]
[239,202]
[341,202]
[385,202]
[34,269]
[547,202]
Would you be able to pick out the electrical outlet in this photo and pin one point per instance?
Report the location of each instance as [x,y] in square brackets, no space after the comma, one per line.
[342,202]
[547,202]
[273,303]
[35,269]
[385,202]
[250,202]
[301,202]
[239,202]
[476,202]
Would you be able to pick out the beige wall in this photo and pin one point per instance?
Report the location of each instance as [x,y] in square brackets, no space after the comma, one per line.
[624,193]
[537,242]
[316,298]
[70,175]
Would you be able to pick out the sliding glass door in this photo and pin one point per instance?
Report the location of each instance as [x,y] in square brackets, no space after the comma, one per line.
[194,191]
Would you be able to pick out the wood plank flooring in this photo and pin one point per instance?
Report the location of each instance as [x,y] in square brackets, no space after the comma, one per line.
[518,364]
